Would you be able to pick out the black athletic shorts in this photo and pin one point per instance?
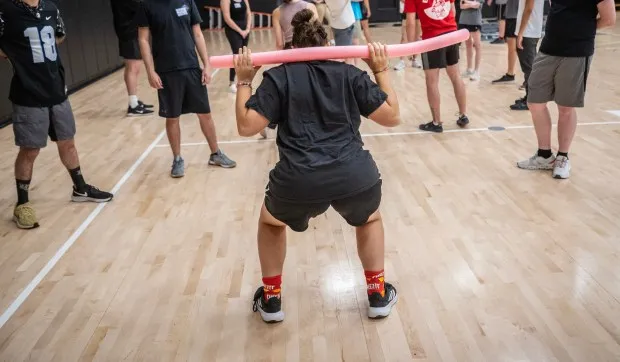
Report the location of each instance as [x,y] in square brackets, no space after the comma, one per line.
[441,58]
[470,28]
[364,12]
[501,10]
[129,49]
[511,28]
[183,93]
[354,209]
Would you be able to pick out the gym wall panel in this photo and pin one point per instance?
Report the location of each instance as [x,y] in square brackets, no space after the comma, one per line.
[89,52]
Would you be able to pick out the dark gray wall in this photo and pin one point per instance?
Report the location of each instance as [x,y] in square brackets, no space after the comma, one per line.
[89,52]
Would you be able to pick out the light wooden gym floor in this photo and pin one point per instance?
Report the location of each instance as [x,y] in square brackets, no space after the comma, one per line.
[492,263]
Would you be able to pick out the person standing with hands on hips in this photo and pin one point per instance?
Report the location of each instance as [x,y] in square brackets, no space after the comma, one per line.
[322,159]
[237,26]
[173,26]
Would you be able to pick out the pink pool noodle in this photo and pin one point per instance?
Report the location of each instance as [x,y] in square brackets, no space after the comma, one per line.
[343,52]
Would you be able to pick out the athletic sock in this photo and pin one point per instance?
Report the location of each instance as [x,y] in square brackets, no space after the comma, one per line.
[133,101]
[375,282]
[22,191]
[177,158]
[544,153]
[78,179]
[272,286]
[565,154]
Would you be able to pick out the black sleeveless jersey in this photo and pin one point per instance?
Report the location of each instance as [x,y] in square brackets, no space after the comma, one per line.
[28,37]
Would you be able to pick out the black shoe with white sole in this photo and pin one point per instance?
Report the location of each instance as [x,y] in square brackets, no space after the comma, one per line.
[140,103]
[463,121]
[381,306]
[139,110]
[271,310]
[91,194]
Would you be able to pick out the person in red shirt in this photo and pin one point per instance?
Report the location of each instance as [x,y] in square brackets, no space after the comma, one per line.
[437,17]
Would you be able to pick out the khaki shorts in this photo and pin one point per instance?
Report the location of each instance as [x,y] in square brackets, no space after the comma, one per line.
[559,79]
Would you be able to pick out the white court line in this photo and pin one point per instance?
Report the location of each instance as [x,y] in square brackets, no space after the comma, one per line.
[615,113]
[21,298]
[464,130]
[8,313]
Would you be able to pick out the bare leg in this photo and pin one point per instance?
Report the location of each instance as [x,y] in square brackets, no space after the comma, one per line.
[24,163]
[366,30]
[371,244]
[460,91]
[173,130]
[432,93]
[502,28]
[68,154]
[567,125]
[410,27]
[403,35]
[132,71]
[271,244]
[469,43]
[542,124]
[512,55]
[477,48]
[208,130]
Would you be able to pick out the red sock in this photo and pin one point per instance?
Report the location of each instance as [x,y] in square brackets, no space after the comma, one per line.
[375,282]
[272,287]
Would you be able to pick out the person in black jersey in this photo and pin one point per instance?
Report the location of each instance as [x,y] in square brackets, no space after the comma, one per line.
[29,33]
[237,27]
[124,13]
[318,107]
[174,70]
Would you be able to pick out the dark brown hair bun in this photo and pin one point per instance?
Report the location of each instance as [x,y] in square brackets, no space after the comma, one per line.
[307,31]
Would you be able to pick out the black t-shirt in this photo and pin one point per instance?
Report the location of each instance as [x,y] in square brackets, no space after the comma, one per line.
[238,13]
[571,28]
[170,23]
[28,38]
[317,107]
[124,12]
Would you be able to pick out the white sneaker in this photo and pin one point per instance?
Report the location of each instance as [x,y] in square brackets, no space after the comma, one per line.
[416,63]
[467,74]
[474,76]
[400,65]
[537,163]
[233,88]
[561,167]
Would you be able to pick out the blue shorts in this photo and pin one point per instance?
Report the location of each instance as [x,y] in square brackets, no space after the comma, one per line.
[357,10]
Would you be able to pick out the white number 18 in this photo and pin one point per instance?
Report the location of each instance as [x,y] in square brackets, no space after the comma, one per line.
[43,45]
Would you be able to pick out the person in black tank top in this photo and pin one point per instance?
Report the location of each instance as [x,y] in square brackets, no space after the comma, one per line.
[238,23]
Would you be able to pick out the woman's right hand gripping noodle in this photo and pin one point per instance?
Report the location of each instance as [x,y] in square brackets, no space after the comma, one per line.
[388,114]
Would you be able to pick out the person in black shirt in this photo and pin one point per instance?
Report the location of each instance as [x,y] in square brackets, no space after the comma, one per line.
[124,13]
[237,26]
[318,107]
[560,74]
[173,69]
[29,33]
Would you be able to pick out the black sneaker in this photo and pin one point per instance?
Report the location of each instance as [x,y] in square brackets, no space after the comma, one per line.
[380,307]
[431,127]
[505,79]
[271,310]
[92,194]
[463,121]
[145,105]
[139,110]
[520,105]
[498,41]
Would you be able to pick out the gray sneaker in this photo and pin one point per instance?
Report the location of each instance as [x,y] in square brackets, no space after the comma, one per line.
[220,159]
[537,163]
[178,168]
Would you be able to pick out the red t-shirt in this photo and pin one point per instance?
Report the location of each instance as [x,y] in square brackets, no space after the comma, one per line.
[436,16]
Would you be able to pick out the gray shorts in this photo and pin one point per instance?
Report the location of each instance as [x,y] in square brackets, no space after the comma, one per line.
[559,79]
[344,36]
[32,125]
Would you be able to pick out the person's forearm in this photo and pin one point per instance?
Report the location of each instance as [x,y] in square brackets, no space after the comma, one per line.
[147,55]
[202,48]
[61,39]
[527,12]
[250,21]
[2,55]
[243,95]
[602,23]
[367,4]
[383,81]
[231,24]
